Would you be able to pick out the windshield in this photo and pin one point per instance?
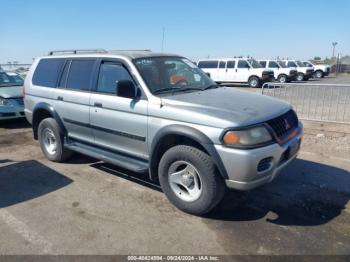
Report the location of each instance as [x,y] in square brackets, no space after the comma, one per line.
[10,79]
[301,64]
[254,63]
[172,74]
[282,64]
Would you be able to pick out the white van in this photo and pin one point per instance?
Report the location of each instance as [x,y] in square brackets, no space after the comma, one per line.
[236,70]
[283,74]
[304,72]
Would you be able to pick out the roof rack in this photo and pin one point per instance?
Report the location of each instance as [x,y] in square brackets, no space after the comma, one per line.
[130,50]
[77,51]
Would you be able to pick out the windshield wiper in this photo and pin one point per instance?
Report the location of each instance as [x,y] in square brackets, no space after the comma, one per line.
[211,87]
[166,90]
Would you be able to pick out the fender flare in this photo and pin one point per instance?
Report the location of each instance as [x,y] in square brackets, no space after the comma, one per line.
[50,109]
[188,132]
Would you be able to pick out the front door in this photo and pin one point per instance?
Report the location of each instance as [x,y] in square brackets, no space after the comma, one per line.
[118,123]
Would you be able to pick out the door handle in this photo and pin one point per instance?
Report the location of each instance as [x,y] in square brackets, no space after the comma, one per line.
[60,98]
[96,104]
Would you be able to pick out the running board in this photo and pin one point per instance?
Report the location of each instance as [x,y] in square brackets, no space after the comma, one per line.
[129,163]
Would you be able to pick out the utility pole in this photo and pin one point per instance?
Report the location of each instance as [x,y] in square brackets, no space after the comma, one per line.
[334,44]
[163,38]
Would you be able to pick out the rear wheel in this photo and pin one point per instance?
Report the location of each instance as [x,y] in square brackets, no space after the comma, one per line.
[254,82]
[51,141]
[300,77]
[190,180]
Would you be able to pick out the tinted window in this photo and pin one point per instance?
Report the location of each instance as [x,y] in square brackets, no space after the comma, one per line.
[222,64]
[47,71]
[263,63]
[243,64]
[80,73]
[109,76]
[292,64]
[10,79]
[231,64]
[273,64]
[208,64]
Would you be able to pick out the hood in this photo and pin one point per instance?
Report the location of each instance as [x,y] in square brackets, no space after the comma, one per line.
[223,107]
[11,91]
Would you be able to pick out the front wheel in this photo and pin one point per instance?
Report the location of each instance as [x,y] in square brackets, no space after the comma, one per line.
[254,82]
[282,79]
[190,179]
[300,77]
[319,74]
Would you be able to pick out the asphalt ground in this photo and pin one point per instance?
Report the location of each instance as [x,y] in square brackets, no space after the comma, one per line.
[88,207]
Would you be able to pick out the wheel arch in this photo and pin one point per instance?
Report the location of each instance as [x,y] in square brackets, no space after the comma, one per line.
[173,135]
[44,110]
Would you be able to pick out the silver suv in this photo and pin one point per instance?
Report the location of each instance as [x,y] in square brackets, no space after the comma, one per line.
[160,114]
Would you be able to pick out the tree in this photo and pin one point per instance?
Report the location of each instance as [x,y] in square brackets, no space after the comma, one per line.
[317,58]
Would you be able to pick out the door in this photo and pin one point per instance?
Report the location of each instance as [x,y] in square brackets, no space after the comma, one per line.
[231,71]
[210,67]
[73,97]
[118,123]
[275,67]
[222,73]
[242,70]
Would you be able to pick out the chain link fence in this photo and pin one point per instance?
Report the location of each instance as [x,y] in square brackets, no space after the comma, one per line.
[318,102]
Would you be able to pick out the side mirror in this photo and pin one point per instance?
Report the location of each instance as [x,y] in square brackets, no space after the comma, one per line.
[127,89]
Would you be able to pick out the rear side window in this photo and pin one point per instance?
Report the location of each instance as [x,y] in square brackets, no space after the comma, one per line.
[263,63]
[273,64]
[47,71]
[208,64]
[222,64]
[109,76]
[80,73]
[231,64]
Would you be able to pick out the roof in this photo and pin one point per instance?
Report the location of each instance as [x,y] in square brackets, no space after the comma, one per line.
[129,54]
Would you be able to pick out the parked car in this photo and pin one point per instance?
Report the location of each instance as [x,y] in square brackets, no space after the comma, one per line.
[304,73]
[160,114]
[321,70]
[283,74]
[11,99]
[236,70]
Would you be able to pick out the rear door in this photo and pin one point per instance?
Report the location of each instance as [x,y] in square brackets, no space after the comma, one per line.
[72,97]
[231,71]
[210,67]
[118,123]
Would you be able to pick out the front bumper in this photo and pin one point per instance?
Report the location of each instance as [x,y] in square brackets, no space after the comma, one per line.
[10,112]
[242,166]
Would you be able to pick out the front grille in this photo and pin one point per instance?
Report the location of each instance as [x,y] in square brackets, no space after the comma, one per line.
[265,164]
[284,124]
[19,101]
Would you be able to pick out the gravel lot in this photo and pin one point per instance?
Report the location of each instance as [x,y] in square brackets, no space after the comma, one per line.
[89,207]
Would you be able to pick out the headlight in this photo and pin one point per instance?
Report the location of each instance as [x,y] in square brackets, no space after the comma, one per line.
[247,138]
[3,101]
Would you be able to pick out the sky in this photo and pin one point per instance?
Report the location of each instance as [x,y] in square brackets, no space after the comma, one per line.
[196,29]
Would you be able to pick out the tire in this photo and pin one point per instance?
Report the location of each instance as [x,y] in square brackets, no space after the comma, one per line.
[51,141]
[300,77]
[187,162]
[282,79]
[319,74]
[254,82]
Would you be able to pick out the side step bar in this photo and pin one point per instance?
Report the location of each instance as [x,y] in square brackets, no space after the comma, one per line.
[129,163]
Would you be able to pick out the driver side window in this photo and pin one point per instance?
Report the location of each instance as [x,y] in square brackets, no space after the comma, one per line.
[243,64]
[110,74]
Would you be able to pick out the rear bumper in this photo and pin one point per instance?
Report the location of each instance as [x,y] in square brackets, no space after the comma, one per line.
[242,166]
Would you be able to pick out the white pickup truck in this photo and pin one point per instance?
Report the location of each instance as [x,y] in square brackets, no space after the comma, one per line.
[236,70]
[283,74]
[304,72]
[321,70]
